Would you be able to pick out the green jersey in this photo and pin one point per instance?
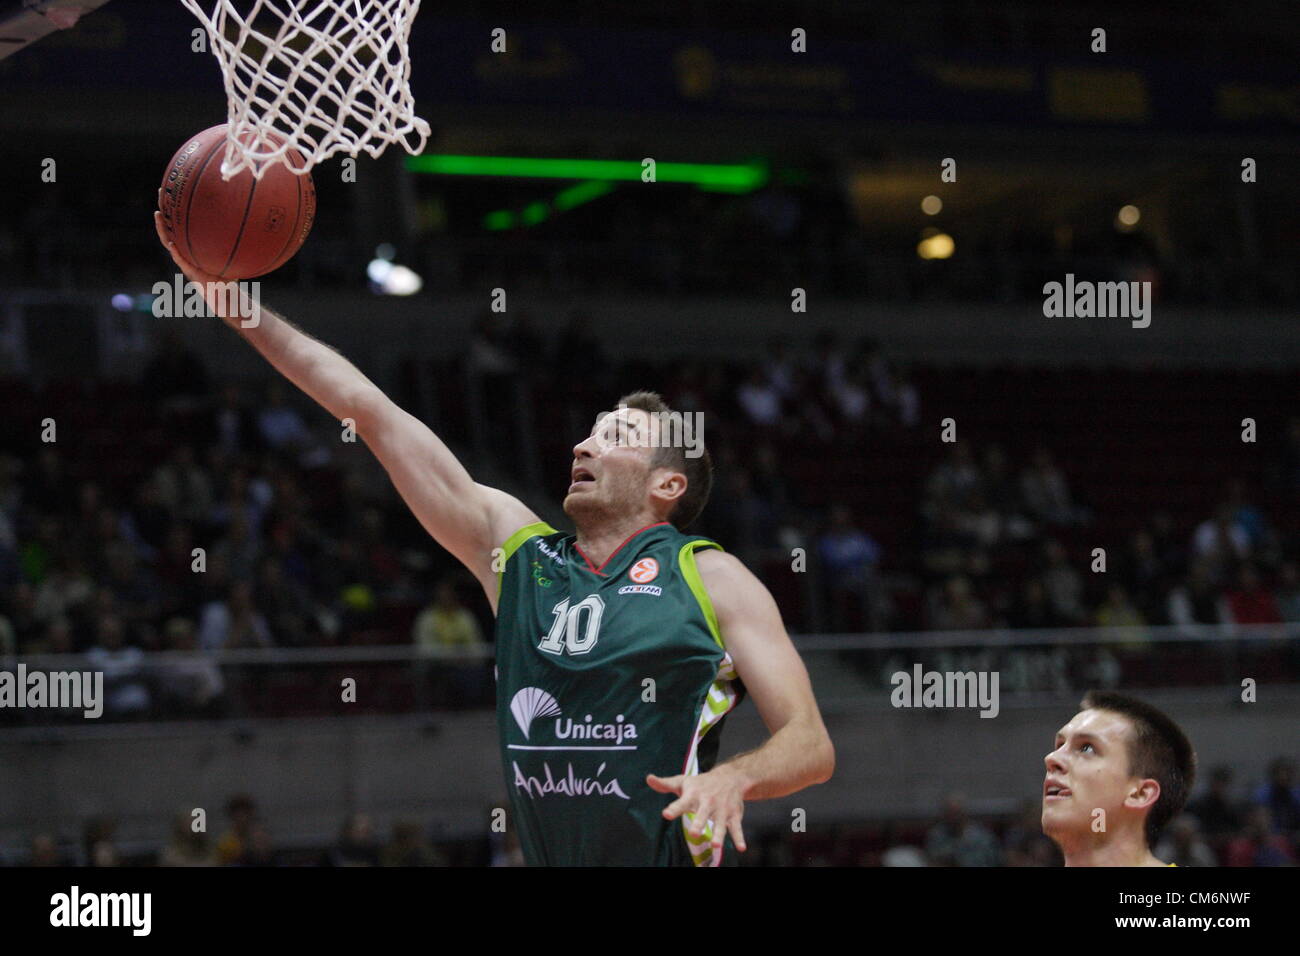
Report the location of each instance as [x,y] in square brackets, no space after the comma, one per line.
[606,674]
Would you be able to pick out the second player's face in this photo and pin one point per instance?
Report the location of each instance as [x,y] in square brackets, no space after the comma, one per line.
[612,465]
[1088,770]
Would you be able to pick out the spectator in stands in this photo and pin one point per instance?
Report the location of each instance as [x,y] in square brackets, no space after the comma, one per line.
[1064,585]
[1220,542]
[282,427]
[44,851]
[1117,610]
[956,608]
[903,402]
[1288,592]
[849,557]
[56,639]
[1002,494]
[145,523]
[897,851]
[357,845]
[1280,797]
[578,346]
[20,612]
[953,480]
[1290,457]
[448,638]
[1046,493]
[956,840]
[1182,844]
[126,691]
[1219,814]
[260,851]
[1033,609]
[743,519]
[759,400]
[190,685]
[46,487]
[98,842]
[1247,516]
[1258,845]
[852,398]
[135,593]
[408,847]
[65,590]
[182,486]
[233,623]
[179,585]
[1145,575]
[946,547]
[506,850]
[241,546]
[770,482]
[187,847]
[979,520]
[235,844]
[1025,844]
[242,495]
[383,566]
[286,604]
[174,378]
[1250,602]
[779,366]
[1196,600]
[232,428]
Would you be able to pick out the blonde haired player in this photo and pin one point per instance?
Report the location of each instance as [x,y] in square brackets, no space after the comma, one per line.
[1118,772]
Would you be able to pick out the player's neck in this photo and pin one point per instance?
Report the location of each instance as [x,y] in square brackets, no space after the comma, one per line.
[599,542]
[1132,851]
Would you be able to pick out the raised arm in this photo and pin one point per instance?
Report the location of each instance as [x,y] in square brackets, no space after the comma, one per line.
[798,753]
[466,518]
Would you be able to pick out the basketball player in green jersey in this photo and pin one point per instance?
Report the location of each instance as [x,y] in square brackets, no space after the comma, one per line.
[1119,771]
[619,649]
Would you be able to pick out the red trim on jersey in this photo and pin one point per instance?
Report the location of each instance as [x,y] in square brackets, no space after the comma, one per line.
[596,570]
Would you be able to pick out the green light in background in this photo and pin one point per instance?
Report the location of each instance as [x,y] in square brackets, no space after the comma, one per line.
[714,176]
[582,193]
[534,213]
[539,211]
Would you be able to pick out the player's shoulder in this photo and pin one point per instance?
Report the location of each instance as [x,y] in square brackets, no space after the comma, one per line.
[726,577]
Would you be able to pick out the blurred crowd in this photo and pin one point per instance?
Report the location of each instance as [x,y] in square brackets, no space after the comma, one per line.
[244,522]
[1221,826]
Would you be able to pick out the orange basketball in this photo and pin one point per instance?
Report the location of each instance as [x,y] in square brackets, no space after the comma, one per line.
[237,229]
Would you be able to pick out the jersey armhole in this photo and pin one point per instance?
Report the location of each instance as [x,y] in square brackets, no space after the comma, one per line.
[691,574]
[515,542]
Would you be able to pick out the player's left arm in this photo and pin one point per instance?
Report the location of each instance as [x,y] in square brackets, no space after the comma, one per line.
[799,753]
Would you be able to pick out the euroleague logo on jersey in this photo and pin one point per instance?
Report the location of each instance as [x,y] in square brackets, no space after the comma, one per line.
[643,572]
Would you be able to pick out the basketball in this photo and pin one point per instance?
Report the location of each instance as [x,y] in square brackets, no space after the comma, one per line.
[238,229]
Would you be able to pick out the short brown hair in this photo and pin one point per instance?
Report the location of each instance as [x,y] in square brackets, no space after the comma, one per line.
[698,470]
[1159,750]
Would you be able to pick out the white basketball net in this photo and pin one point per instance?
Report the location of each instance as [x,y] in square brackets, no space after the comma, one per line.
[331,76]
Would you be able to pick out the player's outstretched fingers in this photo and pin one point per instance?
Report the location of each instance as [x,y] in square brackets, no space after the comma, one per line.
[677,808]
[702,817]
[737,833]
[162,231]
[665,784]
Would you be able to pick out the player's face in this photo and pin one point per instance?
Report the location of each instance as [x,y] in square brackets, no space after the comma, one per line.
[1088,770]
[612,466]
